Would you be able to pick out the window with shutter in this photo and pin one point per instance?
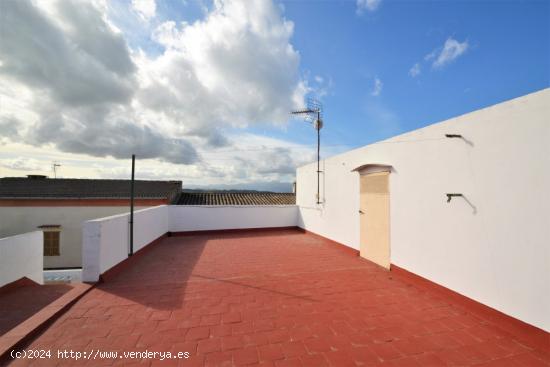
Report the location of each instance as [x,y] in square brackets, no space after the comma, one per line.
[51,243]
[51,239]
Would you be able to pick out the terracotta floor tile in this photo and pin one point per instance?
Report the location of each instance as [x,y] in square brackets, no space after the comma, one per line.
[385,351]
[276,298]
[19,304]
[248,355]
[342,359]
[219,359]
[271,352]
[293,349]
[317,345]
[292,362]
[197,333]
[364,356]
[209,345]
[316,360]
[528,359]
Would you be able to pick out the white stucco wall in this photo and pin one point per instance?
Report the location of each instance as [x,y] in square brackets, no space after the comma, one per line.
[106,240]
[68,275]
[492,247]
[204,217]
[21,256]
[15,220]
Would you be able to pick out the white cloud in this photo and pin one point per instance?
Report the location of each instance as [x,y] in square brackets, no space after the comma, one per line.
[377,88]
[450,51]
[320,87]
[256,162]
[415,70]
[441,56]
[236,67]
[368,5]
[88,93]
[88,96]
[23,164]
[145,8]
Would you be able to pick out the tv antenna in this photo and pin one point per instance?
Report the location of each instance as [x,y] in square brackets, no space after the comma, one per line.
[313,115]
[54,168]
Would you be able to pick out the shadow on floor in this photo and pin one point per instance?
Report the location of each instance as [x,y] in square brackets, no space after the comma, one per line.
[163,276]
[21,303]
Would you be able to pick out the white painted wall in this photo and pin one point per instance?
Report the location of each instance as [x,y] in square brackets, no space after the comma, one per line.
[493,247]
[106,241]
[21,256]
[16,220]
[204,217]
[68,275]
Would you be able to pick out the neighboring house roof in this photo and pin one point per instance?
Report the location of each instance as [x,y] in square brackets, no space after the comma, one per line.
[236,198]
[39,187]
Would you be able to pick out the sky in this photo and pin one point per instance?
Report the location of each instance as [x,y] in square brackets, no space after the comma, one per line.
[201,91]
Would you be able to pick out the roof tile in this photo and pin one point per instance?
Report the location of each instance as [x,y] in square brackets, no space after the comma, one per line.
[72,188]
[236,198]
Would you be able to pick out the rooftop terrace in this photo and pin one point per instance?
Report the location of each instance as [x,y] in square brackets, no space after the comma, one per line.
[277,298]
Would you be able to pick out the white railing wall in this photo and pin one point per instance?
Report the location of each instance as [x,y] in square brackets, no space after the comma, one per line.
[22,256]
[105,241]
[200,218]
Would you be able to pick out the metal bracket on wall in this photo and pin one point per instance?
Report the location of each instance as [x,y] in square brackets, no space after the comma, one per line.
[450,196]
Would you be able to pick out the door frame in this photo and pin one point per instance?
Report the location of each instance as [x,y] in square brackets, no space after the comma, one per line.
[367,169]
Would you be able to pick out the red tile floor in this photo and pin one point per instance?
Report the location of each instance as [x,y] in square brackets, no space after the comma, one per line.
[274,298]
[20,303]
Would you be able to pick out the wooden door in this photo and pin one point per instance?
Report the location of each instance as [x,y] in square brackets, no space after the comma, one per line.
[375,218]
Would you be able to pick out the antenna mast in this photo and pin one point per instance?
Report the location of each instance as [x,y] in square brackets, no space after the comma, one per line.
[54,168]
[313,115]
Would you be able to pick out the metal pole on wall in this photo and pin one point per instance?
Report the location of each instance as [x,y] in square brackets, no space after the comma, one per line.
[132,206]
[318,156]
[313,110]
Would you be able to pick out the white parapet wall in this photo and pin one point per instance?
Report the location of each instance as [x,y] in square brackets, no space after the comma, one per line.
[493,244]
[22,256]
[22,219]
[106,240]
[185,218]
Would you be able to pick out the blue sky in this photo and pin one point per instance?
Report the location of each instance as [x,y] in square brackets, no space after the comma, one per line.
[508,56]
[201,91]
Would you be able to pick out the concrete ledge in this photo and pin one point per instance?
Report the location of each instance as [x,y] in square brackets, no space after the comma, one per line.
[24,332]
[528,334]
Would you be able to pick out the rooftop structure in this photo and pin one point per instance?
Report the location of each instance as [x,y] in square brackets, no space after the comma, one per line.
[41,187]
[429,248]
[59,207]
[236,198]
[278,298]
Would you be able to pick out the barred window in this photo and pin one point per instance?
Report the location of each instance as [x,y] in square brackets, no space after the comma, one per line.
[51,243]
[51,239]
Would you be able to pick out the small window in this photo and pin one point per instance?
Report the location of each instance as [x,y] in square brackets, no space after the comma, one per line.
[51,244]
[51,239]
